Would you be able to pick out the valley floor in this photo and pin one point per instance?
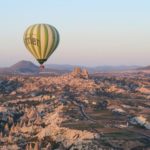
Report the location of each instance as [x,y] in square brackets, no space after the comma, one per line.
[76,112]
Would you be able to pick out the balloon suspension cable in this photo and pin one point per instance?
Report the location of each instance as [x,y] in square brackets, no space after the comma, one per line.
[42,67]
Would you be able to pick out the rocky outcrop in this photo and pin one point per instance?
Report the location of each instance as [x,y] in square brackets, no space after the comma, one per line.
[141,121]
[80,73]
[7,86]
[57,133]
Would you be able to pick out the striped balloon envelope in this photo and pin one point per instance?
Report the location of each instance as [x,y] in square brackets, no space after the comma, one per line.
[41,40]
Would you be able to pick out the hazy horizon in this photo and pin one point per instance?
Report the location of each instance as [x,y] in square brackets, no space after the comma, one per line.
[92,33]
[92,66]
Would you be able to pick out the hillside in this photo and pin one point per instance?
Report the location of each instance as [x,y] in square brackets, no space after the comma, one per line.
[27,67]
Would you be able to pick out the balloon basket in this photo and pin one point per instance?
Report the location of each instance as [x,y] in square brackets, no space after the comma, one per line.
[42,67]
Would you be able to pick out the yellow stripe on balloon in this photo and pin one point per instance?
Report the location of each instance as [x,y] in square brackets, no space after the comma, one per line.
[29,42]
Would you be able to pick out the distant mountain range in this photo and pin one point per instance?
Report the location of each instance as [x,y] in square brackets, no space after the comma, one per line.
[24,67]
[144,68]
[27,67]
[93,69]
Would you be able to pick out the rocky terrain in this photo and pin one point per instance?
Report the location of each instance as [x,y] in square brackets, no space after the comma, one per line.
[75,111]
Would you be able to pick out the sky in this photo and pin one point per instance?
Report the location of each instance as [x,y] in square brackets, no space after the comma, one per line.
[92,32]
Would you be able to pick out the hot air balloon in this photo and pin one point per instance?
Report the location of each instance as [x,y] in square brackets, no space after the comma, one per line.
[41,40]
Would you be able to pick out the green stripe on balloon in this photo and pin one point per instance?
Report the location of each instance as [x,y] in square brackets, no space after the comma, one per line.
[46,39]
[53,37]
[50,34]
[38,37]
[54,40]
